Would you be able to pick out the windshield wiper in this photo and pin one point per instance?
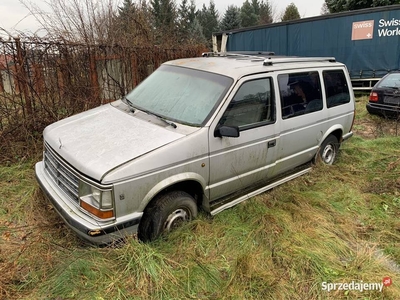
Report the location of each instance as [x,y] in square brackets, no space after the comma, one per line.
[170,123]
[129,103]
[133,108]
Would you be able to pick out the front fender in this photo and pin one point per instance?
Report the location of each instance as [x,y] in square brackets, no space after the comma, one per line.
[170,181]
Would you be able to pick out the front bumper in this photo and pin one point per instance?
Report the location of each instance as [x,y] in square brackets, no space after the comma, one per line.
[384,110]
[82,224]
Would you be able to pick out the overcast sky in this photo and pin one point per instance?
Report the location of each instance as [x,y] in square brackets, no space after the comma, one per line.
[14,16]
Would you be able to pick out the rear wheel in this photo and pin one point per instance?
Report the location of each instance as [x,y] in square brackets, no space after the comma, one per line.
[329,150]
[166,213]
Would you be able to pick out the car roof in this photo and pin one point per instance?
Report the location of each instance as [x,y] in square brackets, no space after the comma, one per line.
[238,65]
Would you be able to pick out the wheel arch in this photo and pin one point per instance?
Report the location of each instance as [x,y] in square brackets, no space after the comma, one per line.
[336,131]
[191,183]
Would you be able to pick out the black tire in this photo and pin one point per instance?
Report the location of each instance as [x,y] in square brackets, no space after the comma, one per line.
[329,150]
[165,213]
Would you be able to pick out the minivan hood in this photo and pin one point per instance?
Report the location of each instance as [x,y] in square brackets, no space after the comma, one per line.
[99,140]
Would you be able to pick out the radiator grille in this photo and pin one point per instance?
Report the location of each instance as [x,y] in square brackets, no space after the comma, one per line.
[61,173]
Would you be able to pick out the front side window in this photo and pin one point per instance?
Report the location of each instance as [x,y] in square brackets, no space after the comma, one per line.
[336,88]
[252,105]
[300,93]
[180,94]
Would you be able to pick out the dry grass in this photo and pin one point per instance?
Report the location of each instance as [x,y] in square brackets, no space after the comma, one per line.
[336,224]
[370,126]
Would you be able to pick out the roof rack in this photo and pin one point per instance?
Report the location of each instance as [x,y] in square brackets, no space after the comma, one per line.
[271,61]
[271,58]
[251,53]
[259,55]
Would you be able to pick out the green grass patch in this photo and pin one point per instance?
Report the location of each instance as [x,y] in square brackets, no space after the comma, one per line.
[337,224]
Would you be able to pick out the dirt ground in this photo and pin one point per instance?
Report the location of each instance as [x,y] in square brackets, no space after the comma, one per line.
[371,127]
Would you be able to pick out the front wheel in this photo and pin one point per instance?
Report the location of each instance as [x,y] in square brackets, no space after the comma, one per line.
[166,213]
[329,150]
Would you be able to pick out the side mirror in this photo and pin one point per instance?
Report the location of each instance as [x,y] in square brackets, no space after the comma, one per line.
[228,131]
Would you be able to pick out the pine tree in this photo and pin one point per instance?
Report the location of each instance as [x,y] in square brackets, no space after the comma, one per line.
[156,11]
[164,13]
[190,29]
[248,17]
[164,19]
[231,19]
[265,13]
[346,5]
[125,13]
[256,6]
[208,19]
[192,11]
[214,16]
[196,35]
[291,13]
[131,25]
[183,16]
[127,8]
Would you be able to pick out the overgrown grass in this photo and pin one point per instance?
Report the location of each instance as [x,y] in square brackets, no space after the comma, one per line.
[336,224]
[369,126]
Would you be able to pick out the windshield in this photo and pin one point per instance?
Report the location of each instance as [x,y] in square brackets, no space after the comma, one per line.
[184,95]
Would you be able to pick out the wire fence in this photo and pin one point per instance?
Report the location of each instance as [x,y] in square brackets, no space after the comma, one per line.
[42,81]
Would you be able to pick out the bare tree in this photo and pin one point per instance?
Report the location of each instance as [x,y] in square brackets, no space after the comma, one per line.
[87,21]
[132,25]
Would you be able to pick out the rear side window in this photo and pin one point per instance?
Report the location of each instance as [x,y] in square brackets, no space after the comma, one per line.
[300,93]
[253,105]
[336,88]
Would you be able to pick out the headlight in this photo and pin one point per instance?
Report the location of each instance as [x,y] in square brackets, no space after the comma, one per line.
[97,201]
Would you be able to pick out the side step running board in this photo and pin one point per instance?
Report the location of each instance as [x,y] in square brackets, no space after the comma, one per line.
[259,191]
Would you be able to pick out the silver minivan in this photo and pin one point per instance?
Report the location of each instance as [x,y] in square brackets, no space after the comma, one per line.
[199,133]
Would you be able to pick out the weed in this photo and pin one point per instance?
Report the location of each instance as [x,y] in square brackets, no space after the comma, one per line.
[337,224]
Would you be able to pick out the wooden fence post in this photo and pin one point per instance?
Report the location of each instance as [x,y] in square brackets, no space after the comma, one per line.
[38,78]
